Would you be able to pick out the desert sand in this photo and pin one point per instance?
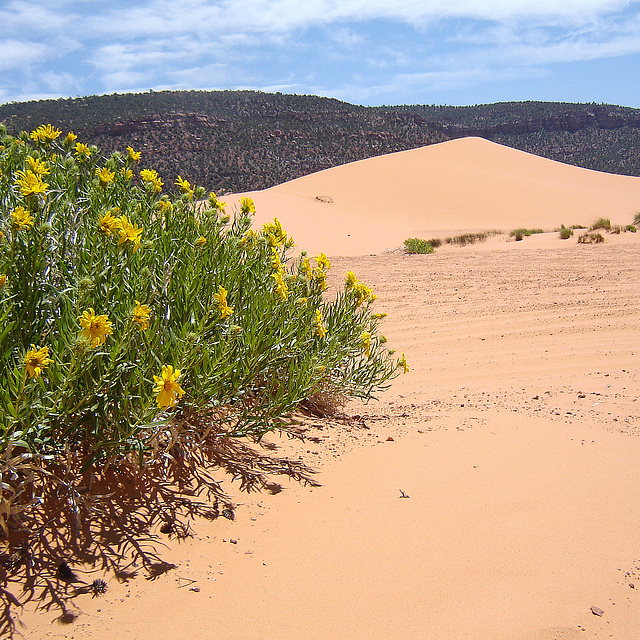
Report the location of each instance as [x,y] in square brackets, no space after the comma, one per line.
[492,492]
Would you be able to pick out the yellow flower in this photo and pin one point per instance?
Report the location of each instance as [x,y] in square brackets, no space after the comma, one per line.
[21,218]
[249,237]
[37,166]
[247,205]
[164,205]
[305,267]
[141,315]
[36,360]
[201,241]
[320,278]
[276,263]
[221,299]
[379,316]
[127,174]
[108,223]
[184,186]
[30,183]
[129,232]
[402,363]
[362,293]
[82,151]
[365,341]
[132,155]
[95,328]
[323,262]
[71,137]
[45,133]
[151,178]
[320,328]
[167,387]
[301,302]
[3,280]
[274,233]
[282,291]
[105,176]
[350,280]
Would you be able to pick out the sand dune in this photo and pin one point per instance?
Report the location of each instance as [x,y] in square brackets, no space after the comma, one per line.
[515,435]
[468,184]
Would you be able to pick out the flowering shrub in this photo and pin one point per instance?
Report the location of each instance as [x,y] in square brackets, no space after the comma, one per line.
[124,307]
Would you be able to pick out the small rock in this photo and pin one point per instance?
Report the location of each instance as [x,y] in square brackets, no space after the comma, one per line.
[390,439]
[597,611]
[632,585]
[196,589]
[232,541]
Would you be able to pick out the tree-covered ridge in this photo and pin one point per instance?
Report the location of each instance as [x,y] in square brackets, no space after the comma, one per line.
[229,140]
[245,140]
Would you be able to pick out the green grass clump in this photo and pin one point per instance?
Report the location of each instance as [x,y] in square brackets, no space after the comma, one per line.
[519,234]
[565,233]
[631,228]
[136,323]
[464,239]
[601,223]
[417,245]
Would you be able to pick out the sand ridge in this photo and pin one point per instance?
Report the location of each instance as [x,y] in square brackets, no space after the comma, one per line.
[468,184]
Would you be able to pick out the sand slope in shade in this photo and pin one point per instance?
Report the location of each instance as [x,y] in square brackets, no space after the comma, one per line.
[468,184]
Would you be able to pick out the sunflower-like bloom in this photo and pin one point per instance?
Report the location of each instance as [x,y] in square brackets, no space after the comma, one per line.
[350,279]
[365,342]
[247,206]
[21,218]
[379,316]
[201,241]
[221,299]
[320,279]
[152,179]
[70,138]
[323,262]
[305,267]
[45,133]
[105,176]
[362,293]
[36,360]
[167,388]
[37,166]
[402,364]
[184,186]
[129,232]
[274,233]
[95,328]
[281,290]
[30,183]
[276,263]
[321,330]
[108,223]
[133,156]
[126,173]
[3,280]
[164,205]
[141,315]
[82,151]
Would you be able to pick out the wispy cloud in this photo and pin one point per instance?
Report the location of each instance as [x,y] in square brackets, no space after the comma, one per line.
[351,48]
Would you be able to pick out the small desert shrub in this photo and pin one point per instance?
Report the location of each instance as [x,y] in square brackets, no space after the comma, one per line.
[129,316]
[590,238]
[469,238]
[416,245]
[577,226]
[601,223]
[519,234]
[631,228]
[565,233]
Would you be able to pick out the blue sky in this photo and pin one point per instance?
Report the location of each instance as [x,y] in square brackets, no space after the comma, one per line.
[369,52]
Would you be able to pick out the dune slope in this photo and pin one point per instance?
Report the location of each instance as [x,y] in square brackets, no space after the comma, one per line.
[468,184]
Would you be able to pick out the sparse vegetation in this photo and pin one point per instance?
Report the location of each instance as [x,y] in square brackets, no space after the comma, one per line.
[417,245]
[590,238]
[601,223]
[470,238]
[565,233]
[519,234]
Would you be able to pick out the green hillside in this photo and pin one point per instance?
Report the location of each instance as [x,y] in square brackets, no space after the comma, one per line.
[245,140]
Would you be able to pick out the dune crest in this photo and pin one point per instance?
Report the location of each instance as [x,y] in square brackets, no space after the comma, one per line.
[468,184]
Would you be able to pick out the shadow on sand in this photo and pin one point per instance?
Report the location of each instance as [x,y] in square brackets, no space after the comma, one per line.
[109,522]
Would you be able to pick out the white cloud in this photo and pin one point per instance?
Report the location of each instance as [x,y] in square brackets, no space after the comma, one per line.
[15,54]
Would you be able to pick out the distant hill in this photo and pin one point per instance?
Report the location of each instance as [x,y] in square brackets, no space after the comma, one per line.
[247,140]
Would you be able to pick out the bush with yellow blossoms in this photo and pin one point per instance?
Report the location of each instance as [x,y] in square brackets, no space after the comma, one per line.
[124,308]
